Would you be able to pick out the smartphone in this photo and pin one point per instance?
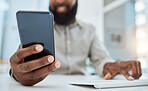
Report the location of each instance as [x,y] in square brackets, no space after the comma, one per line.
[36,27]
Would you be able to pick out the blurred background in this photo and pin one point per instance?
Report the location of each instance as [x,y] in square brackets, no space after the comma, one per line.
[122,26]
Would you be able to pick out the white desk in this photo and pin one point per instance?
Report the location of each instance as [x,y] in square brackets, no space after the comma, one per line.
[60,83]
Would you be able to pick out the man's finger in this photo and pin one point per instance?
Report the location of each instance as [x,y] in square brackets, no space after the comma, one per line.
[25,52]
[108,76]
[35,64]
[20,47]
[109,72]
[106,73]
[134,70]
[125,73]
[139,69]
[43,71]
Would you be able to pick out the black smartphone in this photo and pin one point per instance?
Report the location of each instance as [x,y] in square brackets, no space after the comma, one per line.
[36,27]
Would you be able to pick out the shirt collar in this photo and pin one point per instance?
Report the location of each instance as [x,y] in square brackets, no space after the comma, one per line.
[77,23]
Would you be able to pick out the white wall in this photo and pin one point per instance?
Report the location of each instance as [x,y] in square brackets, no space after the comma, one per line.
[1,31]
[91,11]
[3,8]
[146,12]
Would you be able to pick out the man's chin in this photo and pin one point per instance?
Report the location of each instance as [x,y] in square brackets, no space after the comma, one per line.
[61,15]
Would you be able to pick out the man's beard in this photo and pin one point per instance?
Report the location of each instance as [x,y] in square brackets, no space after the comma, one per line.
[65,18]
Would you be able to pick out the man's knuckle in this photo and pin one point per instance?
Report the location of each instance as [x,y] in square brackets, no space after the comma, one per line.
[134,63]
[50,68]
[33,48]
[18,54]
[122,68]
[43,62]
[26,67]
[20,67]
[11,59]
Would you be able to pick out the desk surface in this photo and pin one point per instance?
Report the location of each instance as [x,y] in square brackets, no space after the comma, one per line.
[61,83]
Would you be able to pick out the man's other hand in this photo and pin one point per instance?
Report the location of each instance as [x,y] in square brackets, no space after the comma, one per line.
[123,67]
[34,71]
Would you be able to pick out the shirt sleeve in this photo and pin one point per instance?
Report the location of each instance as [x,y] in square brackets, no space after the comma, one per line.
[98,54]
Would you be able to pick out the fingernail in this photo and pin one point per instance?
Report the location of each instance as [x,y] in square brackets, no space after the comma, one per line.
[57,65]
[131,78]
[107,76]
[39,48]
[50,59]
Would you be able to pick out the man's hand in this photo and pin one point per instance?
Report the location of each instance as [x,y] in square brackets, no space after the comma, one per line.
[124,67]
[32,72]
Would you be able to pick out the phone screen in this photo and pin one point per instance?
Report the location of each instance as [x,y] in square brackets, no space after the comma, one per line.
[36,28]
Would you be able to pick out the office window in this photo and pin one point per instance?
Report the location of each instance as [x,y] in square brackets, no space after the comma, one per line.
[3,10]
